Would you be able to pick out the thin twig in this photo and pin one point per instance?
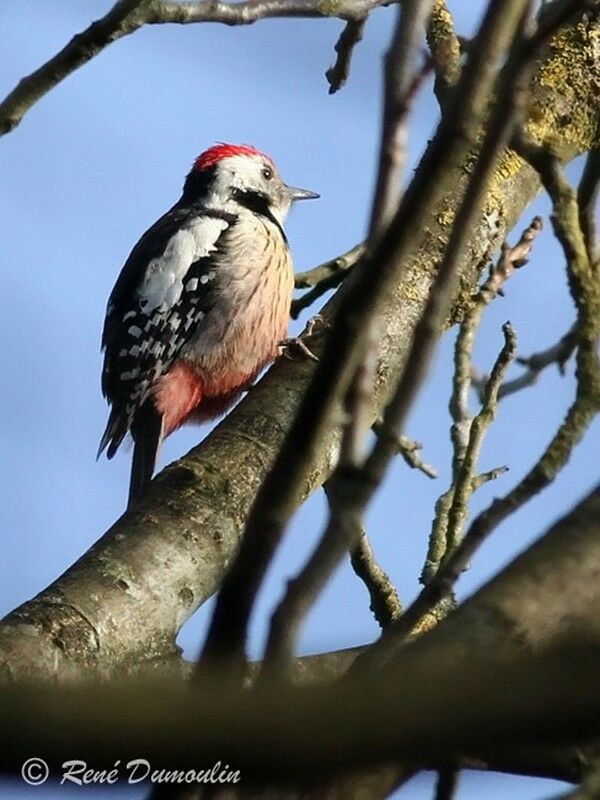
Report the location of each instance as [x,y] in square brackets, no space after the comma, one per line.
[401,82]
[536,363]
[323,278]
[452,508]
[566,219]
[465,477]
[127,16]
[338,73]
[410,450]
[385,603]
[336,266]
[485,477]
[411,453]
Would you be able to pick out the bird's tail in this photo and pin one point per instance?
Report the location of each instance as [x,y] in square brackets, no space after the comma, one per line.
[147,430]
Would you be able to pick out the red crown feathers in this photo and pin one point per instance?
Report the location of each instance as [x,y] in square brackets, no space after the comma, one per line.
[220,151]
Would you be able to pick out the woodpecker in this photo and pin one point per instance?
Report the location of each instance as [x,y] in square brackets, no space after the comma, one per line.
[200,305]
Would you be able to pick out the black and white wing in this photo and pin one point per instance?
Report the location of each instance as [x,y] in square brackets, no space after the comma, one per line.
[160,298]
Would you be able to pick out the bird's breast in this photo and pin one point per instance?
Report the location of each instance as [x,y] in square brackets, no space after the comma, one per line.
[249,313]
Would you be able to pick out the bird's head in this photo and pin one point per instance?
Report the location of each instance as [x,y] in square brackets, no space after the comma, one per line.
[227,174]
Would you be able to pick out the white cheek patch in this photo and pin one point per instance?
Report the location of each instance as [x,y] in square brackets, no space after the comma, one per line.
[239,172]
[163,282]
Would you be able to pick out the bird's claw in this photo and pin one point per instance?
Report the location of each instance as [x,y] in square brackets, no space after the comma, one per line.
[315,322]
[297,342]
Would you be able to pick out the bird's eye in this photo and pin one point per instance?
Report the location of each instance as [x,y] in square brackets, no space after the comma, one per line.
[267,173]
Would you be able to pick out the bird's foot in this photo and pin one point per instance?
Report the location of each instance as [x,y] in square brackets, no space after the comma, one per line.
[297,344]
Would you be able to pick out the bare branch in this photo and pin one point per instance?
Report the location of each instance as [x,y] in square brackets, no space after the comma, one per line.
[338,73]
[126,16]
[511,258]
[323,278]
[465,480]
[467,433]
[486,477]
[409,449]
[452,508]
[410,452]
[536,363]
[123,18]
[244,13]
[340,265]
[401,81]
[385,603]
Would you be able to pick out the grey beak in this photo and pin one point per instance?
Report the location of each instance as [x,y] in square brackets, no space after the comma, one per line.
[301,194]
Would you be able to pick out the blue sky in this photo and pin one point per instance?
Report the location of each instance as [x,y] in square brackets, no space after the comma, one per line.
[95,163]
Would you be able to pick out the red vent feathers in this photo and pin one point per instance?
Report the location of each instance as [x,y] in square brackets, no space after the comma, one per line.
[220,151]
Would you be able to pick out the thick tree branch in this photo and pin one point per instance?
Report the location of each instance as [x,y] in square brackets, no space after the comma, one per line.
[444,695]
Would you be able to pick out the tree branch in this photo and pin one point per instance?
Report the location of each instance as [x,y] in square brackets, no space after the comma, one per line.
[324,277]
[467,433]
[127,16]
[445,694]
[445,49]
[452,508]
[558,354]
[338,73]
[385,603]
[401,82]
